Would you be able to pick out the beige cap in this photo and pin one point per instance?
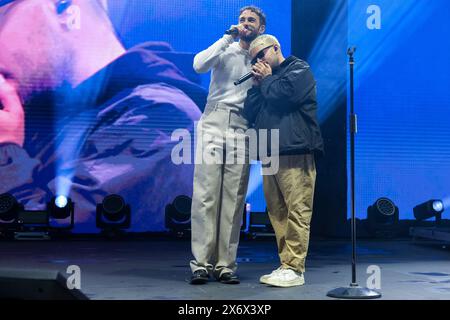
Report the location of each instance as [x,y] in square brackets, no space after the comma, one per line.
[263,41]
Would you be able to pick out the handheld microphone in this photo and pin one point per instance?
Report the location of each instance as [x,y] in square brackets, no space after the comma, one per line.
[232,31]
[244,78]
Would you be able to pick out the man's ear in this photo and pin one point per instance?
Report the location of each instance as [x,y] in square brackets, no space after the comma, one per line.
[262,29]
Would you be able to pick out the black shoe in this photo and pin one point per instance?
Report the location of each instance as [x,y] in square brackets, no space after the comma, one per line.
[199,277]
[229,278]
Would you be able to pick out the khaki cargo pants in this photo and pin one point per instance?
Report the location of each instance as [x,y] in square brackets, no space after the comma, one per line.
[289,196]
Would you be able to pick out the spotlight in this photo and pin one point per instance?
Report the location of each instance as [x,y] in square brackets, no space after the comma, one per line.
[61,202]
[113,213]
[9,209]
[429,209]
[60,208]
[178,215]
[20,223]
[383,218]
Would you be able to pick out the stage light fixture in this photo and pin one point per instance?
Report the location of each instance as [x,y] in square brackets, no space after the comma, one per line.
[113,213]
[9,209]
[61,201]
[429,209]
[383,211]
[61,208]
[178,215]
[383,218]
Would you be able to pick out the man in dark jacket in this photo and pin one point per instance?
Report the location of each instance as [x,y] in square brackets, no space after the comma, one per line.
[284,98]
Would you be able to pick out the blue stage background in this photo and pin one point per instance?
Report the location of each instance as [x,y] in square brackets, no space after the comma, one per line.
[402,99]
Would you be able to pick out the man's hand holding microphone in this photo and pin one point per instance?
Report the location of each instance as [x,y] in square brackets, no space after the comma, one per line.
[238,31]
[260,70]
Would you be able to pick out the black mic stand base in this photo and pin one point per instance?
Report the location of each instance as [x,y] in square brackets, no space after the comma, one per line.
[353,292]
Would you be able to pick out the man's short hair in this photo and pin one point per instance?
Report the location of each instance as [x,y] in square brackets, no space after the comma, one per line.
[258,11]
[264,40]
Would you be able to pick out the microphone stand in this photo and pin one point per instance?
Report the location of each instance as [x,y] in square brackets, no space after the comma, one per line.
[354,291]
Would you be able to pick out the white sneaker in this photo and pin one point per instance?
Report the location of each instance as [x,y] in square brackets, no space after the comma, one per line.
[286,278]
[264,278]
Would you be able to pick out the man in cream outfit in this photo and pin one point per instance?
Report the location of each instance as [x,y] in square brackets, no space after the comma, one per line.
[220,177]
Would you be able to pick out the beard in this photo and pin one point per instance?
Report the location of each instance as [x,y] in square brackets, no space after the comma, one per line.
[43,89]
[49,68]
[251,36]
[45,80]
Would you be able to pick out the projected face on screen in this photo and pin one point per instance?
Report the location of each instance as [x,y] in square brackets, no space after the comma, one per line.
[46,43]
[82,117]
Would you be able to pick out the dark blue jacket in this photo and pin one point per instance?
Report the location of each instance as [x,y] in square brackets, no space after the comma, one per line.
[286,100]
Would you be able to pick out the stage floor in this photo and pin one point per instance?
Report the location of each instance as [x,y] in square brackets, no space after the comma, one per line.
[151,268]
